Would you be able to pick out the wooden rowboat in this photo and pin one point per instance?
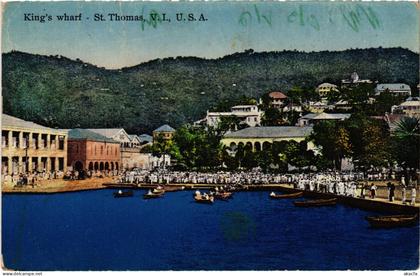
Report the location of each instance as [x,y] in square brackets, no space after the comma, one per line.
[316,203]
[202,199]
[293,195]
[223,195]
[392,221]
[123,194]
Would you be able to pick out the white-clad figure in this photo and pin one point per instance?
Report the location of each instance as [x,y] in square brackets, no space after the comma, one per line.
[403,195]
[413,195]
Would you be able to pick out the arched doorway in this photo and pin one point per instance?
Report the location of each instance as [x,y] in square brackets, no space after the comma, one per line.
[112,165]
[248,146]
[78,166]
[257,146]
[266,145]
[106,166]
[101,166]
[96,166]
[90,166]
[116,165]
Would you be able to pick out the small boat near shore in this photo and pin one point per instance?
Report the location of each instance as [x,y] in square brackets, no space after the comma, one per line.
[223,195]
[152,194]
[121,193]
[392,221]
[282,196]
[203,198]
[316,202]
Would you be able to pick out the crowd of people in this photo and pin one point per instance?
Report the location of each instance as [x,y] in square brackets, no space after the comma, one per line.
[352,184]
[21,179]
[79,175]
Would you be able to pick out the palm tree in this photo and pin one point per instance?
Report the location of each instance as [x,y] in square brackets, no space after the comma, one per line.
[407,136]
[407,128]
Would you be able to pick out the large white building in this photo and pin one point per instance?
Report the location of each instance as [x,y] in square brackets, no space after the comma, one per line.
[248,114]
[396,89]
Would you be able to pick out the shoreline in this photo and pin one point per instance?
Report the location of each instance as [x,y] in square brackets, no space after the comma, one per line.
[380,203]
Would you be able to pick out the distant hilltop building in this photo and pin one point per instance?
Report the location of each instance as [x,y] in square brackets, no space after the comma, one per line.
[28,147]
[396,89]
[324,89]
[311,118]
[277,99]
[248,114]
[354,80]
[411,107]
[166,131]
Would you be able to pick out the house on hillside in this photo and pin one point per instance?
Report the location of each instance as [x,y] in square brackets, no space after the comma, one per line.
[396,89]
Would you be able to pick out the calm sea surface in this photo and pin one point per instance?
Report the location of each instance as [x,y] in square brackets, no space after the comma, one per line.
[93,231]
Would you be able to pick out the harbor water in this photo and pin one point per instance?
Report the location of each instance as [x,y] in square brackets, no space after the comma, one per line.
[92,230]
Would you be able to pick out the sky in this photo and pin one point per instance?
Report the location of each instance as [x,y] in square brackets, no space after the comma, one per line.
[228,27]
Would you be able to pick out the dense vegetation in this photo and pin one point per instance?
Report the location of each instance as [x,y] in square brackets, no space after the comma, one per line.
[365,140]
[59,92]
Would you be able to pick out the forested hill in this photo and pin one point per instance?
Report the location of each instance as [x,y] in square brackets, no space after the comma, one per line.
[59,92]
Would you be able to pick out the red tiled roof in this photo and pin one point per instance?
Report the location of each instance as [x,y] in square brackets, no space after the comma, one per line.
[277,95]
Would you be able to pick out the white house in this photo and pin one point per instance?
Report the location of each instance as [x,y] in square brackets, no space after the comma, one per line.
[312,118]
[396,89]
[249,114]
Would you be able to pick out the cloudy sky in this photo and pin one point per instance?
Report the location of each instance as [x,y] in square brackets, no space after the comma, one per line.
[229,27]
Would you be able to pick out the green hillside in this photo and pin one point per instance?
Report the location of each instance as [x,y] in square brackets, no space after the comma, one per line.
[59,92]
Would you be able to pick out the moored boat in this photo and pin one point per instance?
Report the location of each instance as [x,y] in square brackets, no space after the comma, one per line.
[121,193]
[204,199]
[316,202]
[153,194]
[223,195]
[392,221]
[281,196]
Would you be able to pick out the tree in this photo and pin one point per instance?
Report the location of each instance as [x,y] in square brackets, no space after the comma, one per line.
[369,139]
[333,139]
[407,142]
[272,117]
[162,147]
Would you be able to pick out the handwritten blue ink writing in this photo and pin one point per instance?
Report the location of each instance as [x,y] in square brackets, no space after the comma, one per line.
[246,17]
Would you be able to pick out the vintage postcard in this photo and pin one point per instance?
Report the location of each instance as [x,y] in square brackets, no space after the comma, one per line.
[210,136]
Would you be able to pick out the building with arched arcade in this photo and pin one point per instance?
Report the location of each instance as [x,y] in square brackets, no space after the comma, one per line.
[259,138]
[88,150]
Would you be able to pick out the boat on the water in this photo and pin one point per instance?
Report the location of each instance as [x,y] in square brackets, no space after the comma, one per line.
[273,195]
[153,194]
[121,193]
[222,195]
[316,202]
[203,198]
[158,189]
[392,221]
